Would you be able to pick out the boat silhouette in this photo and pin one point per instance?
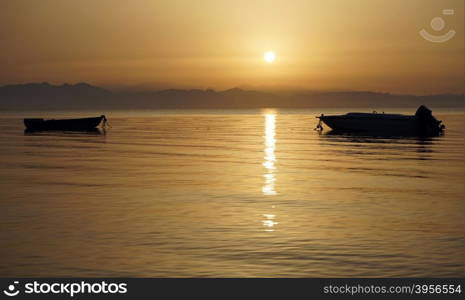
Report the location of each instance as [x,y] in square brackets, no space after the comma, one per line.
[81,124]
[423,123]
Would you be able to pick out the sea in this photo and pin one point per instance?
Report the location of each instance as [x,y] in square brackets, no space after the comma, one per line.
[229,193]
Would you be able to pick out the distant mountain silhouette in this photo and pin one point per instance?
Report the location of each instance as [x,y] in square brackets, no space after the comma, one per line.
[45,96]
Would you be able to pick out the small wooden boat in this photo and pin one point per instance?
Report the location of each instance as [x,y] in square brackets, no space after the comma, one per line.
[82,124]
[422,123]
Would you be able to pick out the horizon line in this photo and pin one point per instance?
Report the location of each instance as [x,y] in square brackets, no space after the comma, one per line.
[114,89]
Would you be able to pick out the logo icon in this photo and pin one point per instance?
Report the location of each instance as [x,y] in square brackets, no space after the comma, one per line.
[11,290]
[438,24]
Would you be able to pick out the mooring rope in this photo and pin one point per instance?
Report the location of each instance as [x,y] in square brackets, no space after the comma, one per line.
[105,123]
[319,127]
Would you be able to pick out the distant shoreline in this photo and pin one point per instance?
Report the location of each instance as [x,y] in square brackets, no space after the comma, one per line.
[83,96]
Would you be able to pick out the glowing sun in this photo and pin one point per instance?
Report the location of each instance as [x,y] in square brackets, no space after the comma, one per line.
[269,57]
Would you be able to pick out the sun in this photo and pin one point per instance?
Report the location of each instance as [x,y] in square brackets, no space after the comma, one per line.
[269,56]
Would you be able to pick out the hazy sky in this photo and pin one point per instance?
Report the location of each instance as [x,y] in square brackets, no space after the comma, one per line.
[332,44]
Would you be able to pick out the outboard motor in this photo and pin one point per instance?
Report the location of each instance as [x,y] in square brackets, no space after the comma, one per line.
[428,124]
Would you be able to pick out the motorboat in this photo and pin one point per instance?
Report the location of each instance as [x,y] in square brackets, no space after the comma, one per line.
[421,123]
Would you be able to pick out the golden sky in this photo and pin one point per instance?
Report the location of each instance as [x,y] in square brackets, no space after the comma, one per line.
[319,45]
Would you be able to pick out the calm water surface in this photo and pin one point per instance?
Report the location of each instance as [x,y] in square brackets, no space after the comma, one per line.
[230,194]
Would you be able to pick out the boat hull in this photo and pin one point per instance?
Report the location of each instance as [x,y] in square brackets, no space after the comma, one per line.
[402,126]
[82,124]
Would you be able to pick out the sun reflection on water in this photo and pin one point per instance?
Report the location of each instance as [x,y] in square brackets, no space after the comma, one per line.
[270,157]
[269,222]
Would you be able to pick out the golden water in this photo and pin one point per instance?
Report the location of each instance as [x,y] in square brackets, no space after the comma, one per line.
[230,194]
